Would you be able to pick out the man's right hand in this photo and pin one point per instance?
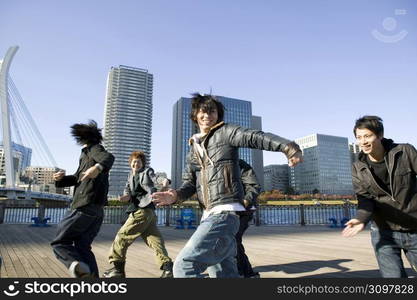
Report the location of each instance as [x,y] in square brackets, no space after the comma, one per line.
[59,175]
[353,227]
[164,198]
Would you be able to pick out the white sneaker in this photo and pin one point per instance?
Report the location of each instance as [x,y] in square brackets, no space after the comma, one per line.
[78,269]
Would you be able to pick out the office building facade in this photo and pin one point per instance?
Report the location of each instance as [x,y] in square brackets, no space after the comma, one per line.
[276,177]
[326,167]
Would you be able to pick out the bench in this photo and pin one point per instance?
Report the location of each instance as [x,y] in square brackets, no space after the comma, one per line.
[335,224]
[37,222]
[187,217]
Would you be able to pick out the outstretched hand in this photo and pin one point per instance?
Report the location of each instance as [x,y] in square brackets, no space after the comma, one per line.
[295,159]
[353,227]
[59,175]
[164,198]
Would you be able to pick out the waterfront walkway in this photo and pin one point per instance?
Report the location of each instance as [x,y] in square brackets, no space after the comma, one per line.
[275,251]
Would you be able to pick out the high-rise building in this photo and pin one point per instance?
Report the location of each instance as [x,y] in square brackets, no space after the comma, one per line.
[127,120]
[237,112]
[326,167]
[276,178]
[354,152]
[21,158]
[41,175]
[257,155]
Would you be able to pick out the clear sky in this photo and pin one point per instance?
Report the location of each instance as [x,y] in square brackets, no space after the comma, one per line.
[307,66]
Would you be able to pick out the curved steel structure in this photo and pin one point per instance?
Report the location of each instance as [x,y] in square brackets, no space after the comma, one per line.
[5,115]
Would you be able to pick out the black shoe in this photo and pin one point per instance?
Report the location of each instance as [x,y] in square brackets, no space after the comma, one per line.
[253,275]
[117,271]
[167,270]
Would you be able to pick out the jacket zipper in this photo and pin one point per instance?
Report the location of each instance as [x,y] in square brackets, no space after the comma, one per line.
[390,176]
[203,176]
[390,179]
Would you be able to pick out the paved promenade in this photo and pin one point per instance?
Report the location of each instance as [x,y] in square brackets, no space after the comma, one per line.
[275,251]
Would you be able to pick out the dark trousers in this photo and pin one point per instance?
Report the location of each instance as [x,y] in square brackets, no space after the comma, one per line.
[75,235]
[243,265]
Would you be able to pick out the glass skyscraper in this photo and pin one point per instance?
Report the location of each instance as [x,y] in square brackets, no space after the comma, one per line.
[326,167]
[237,112]
[127,120]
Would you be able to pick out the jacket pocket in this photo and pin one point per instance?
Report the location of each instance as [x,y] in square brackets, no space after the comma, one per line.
[227,174]
[403,177]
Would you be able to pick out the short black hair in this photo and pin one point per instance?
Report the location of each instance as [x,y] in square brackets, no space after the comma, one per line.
[206,103]
[86,133]
[372,123]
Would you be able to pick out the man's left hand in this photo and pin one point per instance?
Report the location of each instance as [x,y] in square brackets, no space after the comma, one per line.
[90,173]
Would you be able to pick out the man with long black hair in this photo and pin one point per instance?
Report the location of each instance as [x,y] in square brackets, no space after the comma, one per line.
[76,232]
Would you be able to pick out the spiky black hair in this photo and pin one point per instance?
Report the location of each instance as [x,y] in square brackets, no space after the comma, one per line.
[86,133]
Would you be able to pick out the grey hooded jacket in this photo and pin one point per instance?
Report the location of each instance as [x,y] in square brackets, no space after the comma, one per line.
[141,193]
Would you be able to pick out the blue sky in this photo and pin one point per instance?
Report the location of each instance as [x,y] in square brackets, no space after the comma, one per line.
[307,66]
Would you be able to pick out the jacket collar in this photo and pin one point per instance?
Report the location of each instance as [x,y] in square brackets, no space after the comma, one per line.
[213,128]
[390,149]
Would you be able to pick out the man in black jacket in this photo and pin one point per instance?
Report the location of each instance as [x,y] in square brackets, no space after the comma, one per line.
[212,171]
[252,190]
[384,179]
[77,230]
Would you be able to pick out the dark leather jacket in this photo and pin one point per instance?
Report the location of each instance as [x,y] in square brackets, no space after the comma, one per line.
[216,176]
[250,185]
[395,211]
[90,191]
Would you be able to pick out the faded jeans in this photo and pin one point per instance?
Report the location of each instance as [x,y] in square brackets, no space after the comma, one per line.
[212,247]
[388,245]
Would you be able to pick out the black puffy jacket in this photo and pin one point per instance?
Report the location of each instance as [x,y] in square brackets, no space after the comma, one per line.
[216,177]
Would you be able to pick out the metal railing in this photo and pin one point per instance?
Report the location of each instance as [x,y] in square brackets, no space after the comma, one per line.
[168,216]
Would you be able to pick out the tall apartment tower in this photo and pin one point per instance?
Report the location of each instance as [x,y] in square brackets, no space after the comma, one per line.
[237,112]
[326,167]
[354,150]
[127,120]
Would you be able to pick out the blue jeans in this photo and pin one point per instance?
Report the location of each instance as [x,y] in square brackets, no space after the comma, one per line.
[75,235]
[388,245]
[212,247]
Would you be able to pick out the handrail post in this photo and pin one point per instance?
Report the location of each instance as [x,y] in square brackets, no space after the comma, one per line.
[2,212]
[302,216]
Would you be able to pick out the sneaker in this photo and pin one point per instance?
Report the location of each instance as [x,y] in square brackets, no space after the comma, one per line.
[79,269]
[117,271]
[167,270]
[254,275]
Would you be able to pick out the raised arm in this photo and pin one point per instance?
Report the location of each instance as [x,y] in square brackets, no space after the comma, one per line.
[249,138]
